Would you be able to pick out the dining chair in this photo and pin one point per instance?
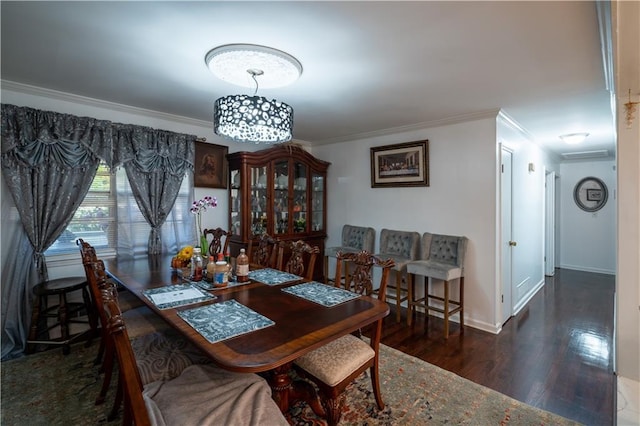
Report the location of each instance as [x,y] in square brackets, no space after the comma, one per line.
[334,366]
[302,258]
[263,250]
[218,241]
[354,239]
[442,259]
[200,394]
[402,247]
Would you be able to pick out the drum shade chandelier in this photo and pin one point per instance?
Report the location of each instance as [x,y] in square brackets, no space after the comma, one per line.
[254,119]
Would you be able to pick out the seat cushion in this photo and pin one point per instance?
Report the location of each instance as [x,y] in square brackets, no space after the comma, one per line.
[208,395]
[141,321]
[164,355]
[434,269]
[335,361]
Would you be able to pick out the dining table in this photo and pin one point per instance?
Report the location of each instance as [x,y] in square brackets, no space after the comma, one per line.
[284,326]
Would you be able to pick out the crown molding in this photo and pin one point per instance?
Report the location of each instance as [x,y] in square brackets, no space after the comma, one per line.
[98,103]
[492,113]
[511,122]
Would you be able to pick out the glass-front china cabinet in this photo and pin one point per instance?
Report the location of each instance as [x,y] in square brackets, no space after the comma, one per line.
[280,191]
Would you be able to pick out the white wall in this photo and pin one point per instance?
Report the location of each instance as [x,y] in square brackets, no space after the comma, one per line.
[461,200]
[588,240]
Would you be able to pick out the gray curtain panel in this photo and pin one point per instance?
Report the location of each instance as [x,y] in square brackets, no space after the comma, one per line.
[156,162]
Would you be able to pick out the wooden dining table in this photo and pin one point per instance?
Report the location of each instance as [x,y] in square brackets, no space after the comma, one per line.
[300,325]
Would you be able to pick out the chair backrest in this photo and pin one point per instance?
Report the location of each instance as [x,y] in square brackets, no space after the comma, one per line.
[263,250]
[96,277]
[135,408]
[358,237]
[399,244]
[300,250]
[218,240]
[361,272]
[449,249]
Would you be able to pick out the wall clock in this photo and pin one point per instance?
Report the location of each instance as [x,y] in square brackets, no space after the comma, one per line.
[590,194]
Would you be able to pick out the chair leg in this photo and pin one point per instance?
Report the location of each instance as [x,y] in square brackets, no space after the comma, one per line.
[64,323]
[446,309]
[398,293]
[375,384]
[461,305]
[107,368]
[333,408]
[91,315]
[33,330]
[410,297]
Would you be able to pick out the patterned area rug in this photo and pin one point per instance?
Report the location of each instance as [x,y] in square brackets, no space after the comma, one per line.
[51,389]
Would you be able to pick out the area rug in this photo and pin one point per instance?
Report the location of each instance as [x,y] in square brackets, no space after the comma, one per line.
[51,389]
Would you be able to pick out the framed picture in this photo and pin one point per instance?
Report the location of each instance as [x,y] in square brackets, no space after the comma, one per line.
[210,165]
[403,164]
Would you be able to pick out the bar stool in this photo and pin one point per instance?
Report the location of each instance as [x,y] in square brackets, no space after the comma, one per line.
[442,259]
[354,240]
[63,311]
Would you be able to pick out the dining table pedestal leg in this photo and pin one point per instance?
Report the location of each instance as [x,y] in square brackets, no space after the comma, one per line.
[285,390]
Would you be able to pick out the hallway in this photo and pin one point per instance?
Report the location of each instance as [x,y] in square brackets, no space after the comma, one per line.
[556,354]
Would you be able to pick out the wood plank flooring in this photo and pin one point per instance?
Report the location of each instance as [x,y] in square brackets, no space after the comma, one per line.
[556,354]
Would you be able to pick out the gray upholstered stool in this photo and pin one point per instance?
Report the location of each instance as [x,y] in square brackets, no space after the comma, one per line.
[354,239]
[442,259]
[64,311]
[402,247]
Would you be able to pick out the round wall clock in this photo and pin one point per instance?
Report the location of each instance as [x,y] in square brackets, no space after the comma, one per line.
[590,194]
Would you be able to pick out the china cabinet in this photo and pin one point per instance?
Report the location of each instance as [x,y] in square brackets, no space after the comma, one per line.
[280,191]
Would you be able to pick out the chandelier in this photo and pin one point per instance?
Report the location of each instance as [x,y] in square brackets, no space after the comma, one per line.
[254,119]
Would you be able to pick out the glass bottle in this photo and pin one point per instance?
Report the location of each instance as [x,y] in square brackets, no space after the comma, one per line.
[242,267]
[196,265]
[211,269]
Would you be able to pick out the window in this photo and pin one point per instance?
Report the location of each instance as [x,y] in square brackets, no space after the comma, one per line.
[95,219]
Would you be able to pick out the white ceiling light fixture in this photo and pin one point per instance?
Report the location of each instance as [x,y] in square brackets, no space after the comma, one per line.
[574,138]
[253,118]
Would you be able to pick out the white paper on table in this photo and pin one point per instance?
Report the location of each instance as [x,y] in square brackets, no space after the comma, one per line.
[175,296]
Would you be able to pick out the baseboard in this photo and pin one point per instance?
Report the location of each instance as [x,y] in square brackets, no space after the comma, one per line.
[587,269]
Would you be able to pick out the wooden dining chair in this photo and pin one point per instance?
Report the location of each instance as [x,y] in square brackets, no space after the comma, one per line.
[200,394]
[218,240]
[263,250]
[335,365]
[302,258]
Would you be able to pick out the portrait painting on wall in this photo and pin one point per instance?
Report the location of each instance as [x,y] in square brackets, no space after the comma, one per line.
[210,165]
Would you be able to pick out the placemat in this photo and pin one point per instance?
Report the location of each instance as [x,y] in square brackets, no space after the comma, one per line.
[322,294]
[220,321]
[272,276]
[176,295]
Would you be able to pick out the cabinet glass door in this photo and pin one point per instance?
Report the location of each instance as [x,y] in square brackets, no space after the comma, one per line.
[280,198]
[258,200]
[236,203]
[317,202]
[300,198]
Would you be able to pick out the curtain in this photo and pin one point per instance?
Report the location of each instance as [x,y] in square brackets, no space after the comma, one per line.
[156,162]
[48,163]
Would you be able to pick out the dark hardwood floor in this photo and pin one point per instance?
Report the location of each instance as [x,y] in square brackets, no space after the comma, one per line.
[556,354]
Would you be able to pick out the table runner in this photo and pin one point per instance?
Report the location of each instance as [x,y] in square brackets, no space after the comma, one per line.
[220,321]
[322,294]
[272,276]
[172,296]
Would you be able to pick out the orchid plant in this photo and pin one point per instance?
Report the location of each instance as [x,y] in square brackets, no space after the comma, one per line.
[197,208]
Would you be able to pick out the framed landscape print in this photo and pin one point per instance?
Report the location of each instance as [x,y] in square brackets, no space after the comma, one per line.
[403,164]
[210,165]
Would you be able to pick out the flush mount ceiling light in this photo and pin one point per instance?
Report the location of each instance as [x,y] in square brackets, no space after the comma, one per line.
[254,118]
[574,138]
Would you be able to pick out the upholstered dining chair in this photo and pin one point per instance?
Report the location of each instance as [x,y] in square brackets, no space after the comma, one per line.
[263,250]
[335,365]
[354,239]
[200,394]
[442,259]
[302,258]
[402,247]
[218,240]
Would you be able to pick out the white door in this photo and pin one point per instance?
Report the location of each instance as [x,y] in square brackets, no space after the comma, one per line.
[507,242]
[550,223]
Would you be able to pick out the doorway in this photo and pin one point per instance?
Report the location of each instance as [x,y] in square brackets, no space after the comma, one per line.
[507,242]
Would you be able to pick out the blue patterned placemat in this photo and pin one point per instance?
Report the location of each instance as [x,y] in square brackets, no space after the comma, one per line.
[272,276]
[220,321]
[176,295]
[205,285]
[322,294]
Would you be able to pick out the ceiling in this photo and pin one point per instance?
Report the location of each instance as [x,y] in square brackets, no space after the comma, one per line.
[369,68]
